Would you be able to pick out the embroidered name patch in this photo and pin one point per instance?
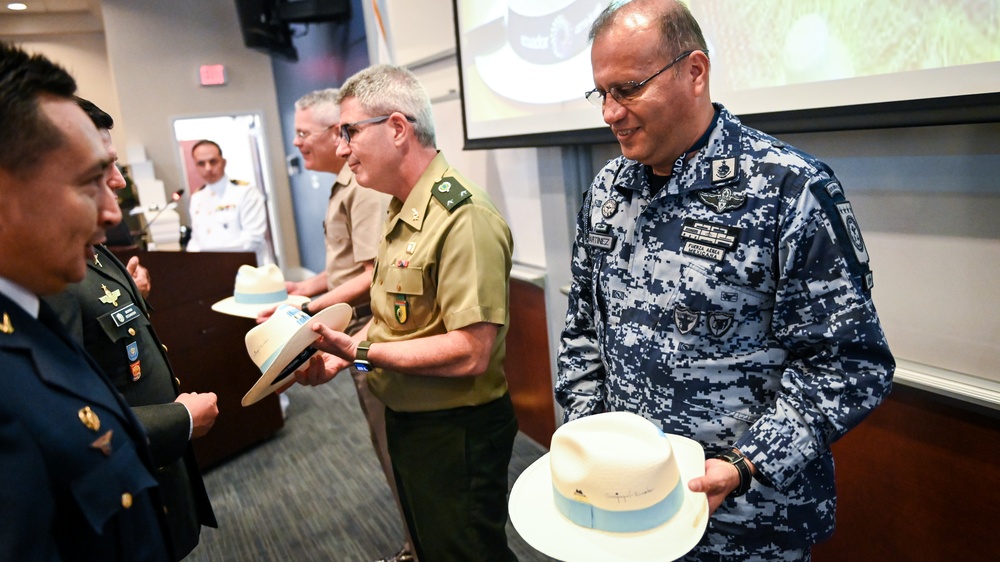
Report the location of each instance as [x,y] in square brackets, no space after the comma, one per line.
[602,241]
[708,240]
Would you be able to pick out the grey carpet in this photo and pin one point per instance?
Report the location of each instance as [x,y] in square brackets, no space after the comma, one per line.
[314,491]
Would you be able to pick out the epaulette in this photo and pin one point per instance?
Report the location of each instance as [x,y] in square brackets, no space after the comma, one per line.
[450,193]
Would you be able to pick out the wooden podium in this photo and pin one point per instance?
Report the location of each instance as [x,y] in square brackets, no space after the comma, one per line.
[207,348]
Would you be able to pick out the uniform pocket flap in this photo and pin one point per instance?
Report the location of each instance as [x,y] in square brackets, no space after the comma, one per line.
[404,280]
[111,486]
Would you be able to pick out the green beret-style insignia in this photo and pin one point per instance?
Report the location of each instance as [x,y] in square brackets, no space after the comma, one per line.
[450,193]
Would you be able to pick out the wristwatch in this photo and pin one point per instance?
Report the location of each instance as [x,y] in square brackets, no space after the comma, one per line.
[305,308]
[361,358]
[738,460]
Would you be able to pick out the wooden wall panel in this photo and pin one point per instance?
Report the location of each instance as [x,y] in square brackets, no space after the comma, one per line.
[206,348]
[529,375]
[918,480]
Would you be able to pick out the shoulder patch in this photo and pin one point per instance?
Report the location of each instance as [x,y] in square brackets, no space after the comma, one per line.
[838,211]
[450,193]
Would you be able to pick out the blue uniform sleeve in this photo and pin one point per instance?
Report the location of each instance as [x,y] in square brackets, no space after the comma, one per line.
[839,366]
[580,384]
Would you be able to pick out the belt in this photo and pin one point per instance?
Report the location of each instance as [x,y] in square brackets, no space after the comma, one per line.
[362,310]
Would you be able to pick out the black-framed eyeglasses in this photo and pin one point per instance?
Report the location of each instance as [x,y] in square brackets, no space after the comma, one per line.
[629,90]
[303,135]
[347,130]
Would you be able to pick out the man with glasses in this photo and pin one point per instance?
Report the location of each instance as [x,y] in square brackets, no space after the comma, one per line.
[352,227]
[721,289]
[434,349]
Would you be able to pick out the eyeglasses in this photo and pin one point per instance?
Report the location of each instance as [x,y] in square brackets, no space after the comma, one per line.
[347,130]
[303,135]
[629,90]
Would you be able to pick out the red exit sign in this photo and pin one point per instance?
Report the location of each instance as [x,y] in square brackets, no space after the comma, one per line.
[212,75]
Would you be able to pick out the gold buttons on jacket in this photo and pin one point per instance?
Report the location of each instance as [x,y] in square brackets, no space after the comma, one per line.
[131,331]
[126,500]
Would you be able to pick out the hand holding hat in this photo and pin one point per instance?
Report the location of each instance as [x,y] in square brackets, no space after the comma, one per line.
[283,343]
[612,487]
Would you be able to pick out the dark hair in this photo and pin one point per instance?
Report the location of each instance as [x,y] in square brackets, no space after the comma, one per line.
[27,133]
[100,118]
[203,142]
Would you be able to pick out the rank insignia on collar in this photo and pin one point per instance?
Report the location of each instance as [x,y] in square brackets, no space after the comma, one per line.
[89,418]
[722,199]
[6,327]
[97,261]
[723,170]
[110,297]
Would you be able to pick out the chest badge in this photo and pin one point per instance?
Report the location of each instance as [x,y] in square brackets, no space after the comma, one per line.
[110,297]
[103,443]
[722,200]
[89,419]
[609,208]
[402,309]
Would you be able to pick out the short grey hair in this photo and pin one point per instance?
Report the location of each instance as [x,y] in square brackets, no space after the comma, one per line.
[385,89]
[679,31]
[324,105]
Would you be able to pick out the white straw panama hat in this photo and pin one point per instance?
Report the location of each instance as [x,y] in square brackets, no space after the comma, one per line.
[283,343]
[546,55]
[257,289]
[612,487]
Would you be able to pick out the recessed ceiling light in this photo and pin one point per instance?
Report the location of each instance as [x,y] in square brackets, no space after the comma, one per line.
[17,6]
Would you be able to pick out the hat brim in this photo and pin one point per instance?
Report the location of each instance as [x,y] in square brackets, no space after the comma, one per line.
[514,78]
[535,516]
[229,306]
[336,317]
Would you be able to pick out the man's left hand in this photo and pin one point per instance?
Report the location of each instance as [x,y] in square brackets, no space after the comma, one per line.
[720,479]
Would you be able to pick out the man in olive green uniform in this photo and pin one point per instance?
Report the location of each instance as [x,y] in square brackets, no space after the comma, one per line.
[106,312]
[434,349]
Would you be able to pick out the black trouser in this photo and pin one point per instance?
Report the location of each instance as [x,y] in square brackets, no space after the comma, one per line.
[451,472]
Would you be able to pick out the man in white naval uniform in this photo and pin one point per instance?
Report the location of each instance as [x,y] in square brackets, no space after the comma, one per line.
[226,215]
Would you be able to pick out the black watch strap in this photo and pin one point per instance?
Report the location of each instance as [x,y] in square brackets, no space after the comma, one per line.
[738,460]
[305,308]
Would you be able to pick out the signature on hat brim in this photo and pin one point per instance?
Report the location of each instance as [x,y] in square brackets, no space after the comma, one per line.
[336,317]
[229,306]
[535,516]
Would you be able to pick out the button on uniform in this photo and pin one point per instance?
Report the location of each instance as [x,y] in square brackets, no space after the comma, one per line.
[126,500]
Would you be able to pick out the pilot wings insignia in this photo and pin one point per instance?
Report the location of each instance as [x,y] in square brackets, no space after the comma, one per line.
[722,199]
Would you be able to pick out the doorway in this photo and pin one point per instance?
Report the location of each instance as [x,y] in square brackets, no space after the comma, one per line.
[241,140]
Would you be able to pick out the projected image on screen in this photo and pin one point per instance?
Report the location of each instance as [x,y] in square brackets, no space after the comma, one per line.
[525,64]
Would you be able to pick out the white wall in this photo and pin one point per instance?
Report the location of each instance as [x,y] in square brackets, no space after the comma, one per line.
[85,57]
[155,49]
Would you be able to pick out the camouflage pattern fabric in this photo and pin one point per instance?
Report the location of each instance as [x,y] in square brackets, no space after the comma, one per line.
[733,307]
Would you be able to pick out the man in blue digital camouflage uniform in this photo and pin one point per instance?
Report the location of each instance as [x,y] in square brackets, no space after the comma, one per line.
[721,288]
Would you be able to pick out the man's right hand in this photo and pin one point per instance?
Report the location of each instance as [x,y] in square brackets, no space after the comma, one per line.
[203,407]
